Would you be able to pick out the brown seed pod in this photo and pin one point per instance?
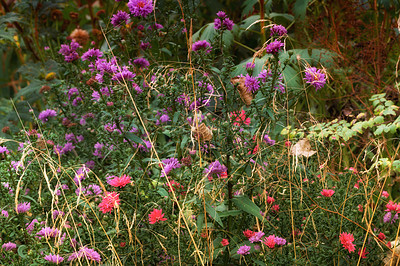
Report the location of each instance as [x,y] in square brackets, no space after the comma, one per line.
[97,34]
[202,133]
[5,129]
[80,36]
[56,14]
[73,15]
[245,95]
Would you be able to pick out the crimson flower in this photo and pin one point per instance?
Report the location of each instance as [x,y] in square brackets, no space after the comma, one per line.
[110,201]
[120,181]
[327,192]
[347,241]
[225,242]
[156,216]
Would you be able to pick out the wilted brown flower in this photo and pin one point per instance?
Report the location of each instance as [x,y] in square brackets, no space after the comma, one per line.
[187,161]
[80,36]
[73,15]
[5,129]
[97,34]
[56,14]
[246,96]
[44,89]
[202,132]
[90,81]
[101,12]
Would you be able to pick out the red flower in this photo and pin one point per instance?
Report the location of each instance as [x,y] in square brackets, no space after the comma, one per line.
[223,175]
[225,242]
[122,244]
[360,208]
[347,240]
[275,207]
[327,192]
[381,236]
[364,253]
[110,201]
[120,181]
[270,241]
[270,200]
[248,233]
[240,118]
[156,216]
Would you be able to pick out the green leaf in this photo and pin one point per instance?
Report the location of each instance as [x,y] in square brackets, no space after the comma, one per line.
[165,50]
[7,35]
[21,251]
[230,213]
[396,166]
[131,136]
[245,204]
[300,8]
[30,92]
[162,192]
[184,141]
[283,15]
[248,6]
[379,120]
[213,214]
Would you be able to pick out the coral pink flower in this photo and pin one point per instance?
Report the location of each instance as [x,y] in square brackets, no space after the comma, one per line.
[110,201]
[391,206]
[156,216]
[275,207]
[240,118]
[385,194]
[120,181]
[270,200]
[363,253]
[225,242]
[381,236]
[327,192]
[248,233]
[270,241]
[347,241]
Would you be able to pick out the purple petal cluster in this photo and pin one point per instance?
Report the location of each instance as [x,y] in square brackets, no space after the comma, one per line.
[215,168]
[201,45]
[54,258]
[85,253]
[4,149]
[268,140]
[274,47]
[119,18]
[31,226]
[9,246]
[315,77]
[280,241]
[141,62]
[278,30]
[244,250]
[44,115]
[48,232]
[256,237]
[223,22]
[251,83]
[169,164]
[140,8]
[92,55]
[69,51]
[23,207]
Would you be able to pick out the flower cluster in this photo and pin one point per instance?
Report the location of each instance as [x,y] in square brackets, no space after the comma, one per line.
[346,240]
[315,77]
[223,22]
[85,253]
[156,216]
[140,8]
[109,202]
[202,45]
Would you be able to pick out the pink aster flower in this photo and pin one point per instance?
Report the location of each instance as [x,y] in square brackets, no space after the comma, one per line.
[9,246]
[44,115]
[201,45]
[346,240]
[120,18]
[315,77]
[120,181]
[240,118]
[48,232]
[110,201]
[270,241]
[256,237]
[278,30]
[140,8]
[385,194]
[327,192]
[85,253]
[156,216]
[54,258]
[23,207]
[244,250]
[224,242]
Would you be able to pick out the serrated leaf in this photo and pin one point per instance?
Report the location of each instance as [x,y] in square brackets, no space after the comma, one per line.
[248,7]
[245,204]
[396,166]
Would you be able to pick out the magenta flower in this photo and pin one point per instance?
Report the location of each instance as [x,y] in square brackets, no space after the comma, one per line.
[85,253]
[256,237]
[92,55]
[223,22]
[140,8]
[31,226]
[278,30]
[268,140]
[4,149]
[4,213]
[69,52]
[251,83]
[48,232]
[274,47]
[23,207]
[244,250]
[201,45]
[315,77]
[170,164]
[9,246]
[118,19]
[54,258]
[44,115]
[141,62]
[327,193]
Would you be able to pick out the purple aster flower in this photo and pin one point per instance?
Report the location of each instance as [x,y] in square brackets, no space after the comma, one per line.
[250,65]
[67,148]
[274,47]
[16,165]
[268,140]
[4,149]
[119,18]
[31,226]
[164,118]
[86,253]
[221,14]
[48,232]
[278,30]
[256,237]
[217,24]
[125,74]
[141,62]
[387,217]
[95,96]
[4,213]
[280,241]
[140,8]
[9,246]
[92,55]
[244,250]
[145,45]
[106,91]
[264,74]
[223,22]
[395,217]
[70,137]
[147,146]
[215,168]
[57,213]
[69,52]
[315,77]
[202,45]
[93,189]
[251,83]
[97,149]
[23,207]
[169,164]
[228,24]
[54,258]
[44,115]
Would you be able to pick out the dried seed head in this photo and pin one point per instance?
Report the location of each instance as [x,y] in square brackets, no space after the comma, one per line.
[73,15]
[202,133]
[44,89]
[80,36]
[56,15]
[5,129]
